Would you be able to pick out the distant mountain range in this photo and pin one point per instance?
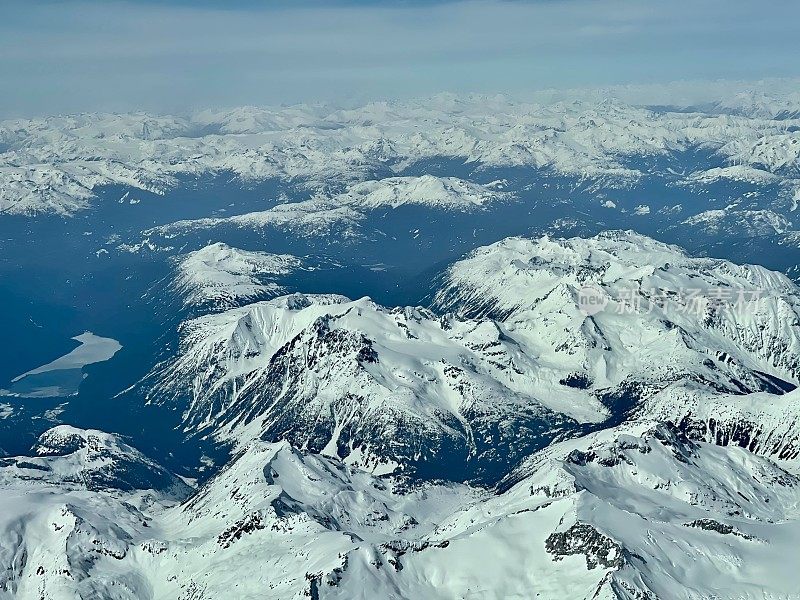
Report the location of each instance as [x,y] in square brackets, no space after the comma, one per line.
[54,165]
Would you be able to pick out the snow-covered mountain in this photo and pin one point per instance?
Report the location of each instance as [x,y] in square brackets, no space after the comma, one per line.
[71,511]
[661,310]
[218,276]
[55,165]
[341,215]
[383,388]
[465,396]
[767,424]
[638,511]
[733,221]
[90,459]
[706,344]
[426,190]
[651,514]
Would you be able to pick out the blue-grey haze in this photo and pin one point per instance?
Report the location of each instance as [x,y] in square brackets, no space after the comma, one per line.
[172,55]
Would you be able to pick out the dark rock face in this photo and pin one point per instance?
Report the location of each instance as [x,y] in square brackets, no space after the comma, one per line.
[721,528]
[248,524]
[580,381]
[582,538]
[670,436]
[744,433]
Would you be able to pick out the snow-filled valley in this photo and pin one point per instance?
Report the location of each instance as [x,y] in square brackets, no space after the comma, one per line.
[459,347]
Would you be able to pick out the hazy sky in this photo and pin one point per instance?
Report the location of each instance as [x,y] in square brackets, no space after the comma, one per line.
[170,55]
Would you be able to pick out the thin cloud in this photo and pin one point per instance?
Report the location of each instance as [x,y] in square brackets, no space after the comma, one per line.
[167,56]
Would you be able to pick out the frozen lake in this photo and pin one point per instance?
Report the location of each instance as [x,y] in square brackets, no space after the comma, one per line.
[63,376]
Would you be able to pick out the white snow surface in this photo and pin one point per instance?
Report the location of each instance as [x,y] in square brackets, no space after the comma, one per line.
[325,215]
[386,388]
[55,164]
[638,511]
[220,276]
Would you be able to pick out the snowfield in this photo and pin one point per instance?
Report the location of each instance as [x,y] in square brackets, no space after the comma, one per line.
[54,165]
[637,511]
[219,276]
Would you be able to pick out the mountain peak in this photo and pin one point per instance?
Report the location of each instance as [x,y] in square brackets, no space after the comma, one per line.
[96,460]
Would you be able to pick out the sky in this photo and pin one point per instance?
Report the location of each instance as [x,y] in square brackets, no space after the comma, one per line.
[66,56]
